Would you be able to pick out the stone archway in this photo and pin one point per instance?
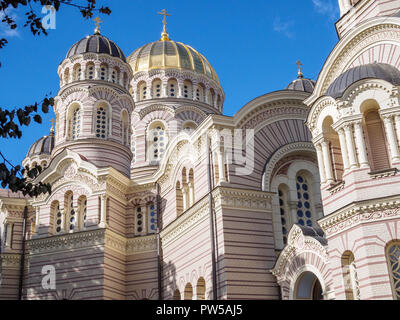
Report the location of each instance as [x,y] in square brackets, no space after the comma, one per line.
[308,287]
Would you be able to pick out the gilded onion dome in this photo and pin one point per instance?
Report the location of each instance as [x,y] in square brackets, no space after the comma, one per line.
[169,54]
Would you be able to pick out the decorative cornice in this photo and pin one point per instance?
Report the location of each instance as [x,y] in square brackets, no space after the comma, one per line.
[359,213]
[10,260]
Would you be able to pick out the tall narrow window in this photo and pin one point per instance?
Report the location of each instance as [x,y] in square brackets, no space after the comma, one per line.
[151,218]
[157,141]
[393,259]
[102,122]
[139,221]
[124,128]
[179,199]
[304,210]
[66,76]
[377,147]
[142,91]
[284,211]
[157,88]
[90,71]
[82,212]
[187,90]
[70,216]
[115,75]
[75,124]
[77,73]
[172,88]
[104,72]
[57,217]
[352,289]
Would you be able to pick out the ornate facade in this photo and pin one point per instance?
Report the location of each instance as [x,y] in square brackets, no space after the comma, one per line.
[157,195]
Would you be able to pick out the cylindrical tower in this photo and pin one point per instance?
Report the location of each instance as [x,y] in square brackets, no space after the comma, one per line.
[93,107]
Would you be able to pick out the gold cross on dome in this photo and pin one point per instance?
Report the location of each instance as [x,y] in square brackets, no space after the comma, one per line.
[164,34]
[52,121]
[299,65]
[98,21]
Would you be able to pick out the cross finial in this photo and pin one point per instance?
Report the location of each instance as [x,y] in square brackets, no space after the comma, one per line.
[164,34]
[52,121]
[98,21]
[299,65]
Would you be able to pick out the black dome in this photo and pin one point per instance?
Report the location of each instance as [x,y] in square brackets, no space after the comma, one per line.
[369,71]
[44,145]
[302,84]
[97,44]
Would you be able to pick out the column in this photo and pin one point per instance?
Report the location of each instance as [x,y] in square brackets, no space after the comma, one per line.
[164,89]
[194,94]
[343,148]
[180,88]
[83,72]
[221,163]
[397,124]
[350,146]
[360,142]
[184,197]
[103,211]
[215,101]
[97,70]
[206,92]
[327,162]
[191,193]
[394,150]
[37,219]
[321,165]
[149,90]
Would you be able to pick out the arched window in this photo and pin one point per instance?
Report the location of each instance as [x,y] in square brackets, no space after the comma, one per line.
[115,75]
[211,96]
[156,88]
[77,72]
[187,89]
[157,141]
[90,71]
[189,127]
[200,92]
[124,128]
[376,141]
[102,121]
[179,199]
[283,193]
[201,289]
[304,207]
[75,123]
[151,218]
[139,221]
[82,211]
[57,217]
[125,80]
[104,72]
[142,91]
[66,76]
[188,292]
[70,214]
[177,295]
[351,286]
[393,260]
[172,88]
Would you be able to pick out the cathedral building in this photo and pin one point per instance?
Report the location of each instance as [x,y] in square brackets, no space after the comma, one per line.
[158,195]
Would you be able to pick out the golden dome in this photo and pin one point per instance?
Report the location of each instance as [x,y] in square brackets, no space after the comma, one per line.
[170,55]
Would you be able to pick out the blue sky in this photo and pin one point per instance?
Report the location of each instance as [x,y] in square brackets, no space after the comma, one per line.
[252,45]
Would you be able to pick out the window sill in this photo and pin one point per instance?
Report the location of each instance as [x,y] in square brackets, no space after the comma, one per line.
[383,173]
[336,187]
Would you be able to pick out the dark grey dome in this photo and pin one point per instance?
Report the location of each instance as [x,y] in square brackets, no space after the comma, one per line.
[302,84]
[97,44]
[44,145]
[368,71]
